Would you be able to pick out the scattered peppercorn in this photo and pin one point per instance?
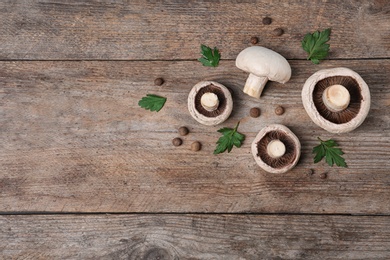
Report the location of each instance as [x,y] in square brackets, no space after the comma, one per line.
[254,40]
[278,31]
[254,112]
[183,131]
[177,141]
[323,175]
[267,20]
[279,110]
[158,81]
[196,146]
[310,172]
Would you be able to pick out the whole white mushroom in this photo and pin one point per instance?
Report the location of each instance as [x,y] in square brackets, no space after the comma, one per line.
[262,64]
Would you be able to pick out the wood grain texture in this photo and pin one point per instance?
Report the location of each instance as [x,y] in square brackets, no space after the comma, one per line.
[75,140]
[174,30]
[167,237]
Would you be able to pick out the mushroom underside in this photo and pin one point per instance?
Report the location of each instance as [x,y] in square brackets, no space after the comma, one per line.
[221,97]
[353,108]
[283,161]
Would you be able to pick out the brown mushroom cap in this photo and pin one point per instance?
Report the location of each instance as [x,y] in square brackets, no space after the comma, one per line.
[342,121]
[201,114]
[285,162]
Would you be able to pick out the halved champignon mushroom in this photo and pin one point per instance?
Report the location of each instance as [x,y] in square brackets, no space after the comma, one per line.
[276,149]
[338,99]
[210,103]
[262,64]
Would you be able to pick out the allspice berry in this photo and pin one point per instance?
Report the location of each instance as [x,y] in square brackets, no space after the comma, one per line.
[177,141]
[254,112]
[278,31]
[183,131]
[267,21]
[310,171]
[196,146]
[254,40]
[279,110]
[158,81]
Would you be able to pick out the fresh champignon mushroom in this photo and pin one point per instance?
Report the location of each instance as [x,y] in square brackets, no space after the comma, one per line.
[262,64]
[276,149]
[210,103]
[337,99]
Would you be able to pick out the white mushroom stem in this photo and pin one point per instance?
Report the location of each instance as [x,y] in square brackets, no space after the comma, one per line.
[254,85]
[209,101]
[276,149]
[336,98]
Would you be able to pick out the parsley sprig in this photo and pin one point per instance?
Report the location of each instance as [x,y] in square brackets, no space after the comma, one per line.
[210,58]
[229,138]
[315,45]
[328,150]
[152,102]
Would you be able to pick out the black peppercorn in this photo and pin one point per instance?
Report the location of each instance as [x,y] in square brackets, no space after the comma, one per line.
[177,141]
[254,112]
[278,31]
[279,110]
[267,20]
[323,175]
[254,40]
[196,146]
[310,172]
[158,81]
[183,131]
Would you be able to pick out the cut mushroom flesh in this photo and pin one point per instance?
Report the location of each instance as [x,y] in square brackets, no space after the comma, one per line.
[210,103]
[276,149]
[338,99]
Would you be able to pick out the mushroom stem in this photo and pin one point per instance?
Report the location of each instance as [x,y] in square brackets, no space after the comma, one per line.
[336,98]
[209,101]
[254,85]
[276,149]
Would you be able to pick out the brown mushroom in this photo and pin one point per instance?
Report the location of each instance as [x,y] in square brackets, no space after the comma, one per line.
[338,99]
[210,103]
[276,149]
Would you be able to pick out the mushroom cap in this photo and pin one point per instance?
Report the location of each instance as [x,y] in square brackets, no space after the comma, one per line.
[314,114]
[264,62]
[292,138]
[210,120]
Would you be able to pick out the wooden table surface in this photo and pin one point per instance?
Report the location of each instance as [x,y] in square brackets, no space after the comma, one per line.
[85,173]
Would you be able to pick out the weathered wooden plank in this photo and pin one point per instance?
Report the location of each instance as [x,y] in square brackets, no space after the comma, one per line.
[152,30]
[75,140]
[194,237]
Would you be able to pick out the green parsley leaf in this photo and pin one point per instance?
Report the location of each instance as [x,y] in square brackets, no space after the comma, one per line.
[331,153]
[209,57]
[152,102]
[229,138]
[315,45]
